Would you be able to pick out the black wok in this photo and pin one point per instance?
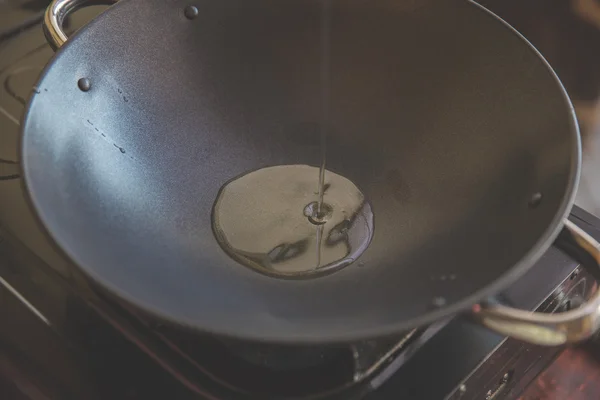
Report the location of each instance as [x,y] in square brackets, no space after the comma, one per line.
[458,133]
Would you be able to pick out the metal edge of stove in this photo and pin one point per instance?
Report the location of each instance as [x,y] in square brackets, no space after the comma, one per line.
[494,376]
[34,359]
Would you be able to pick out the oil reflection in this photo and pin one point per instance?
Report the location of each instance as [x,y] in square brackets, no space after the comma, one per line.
[260,220]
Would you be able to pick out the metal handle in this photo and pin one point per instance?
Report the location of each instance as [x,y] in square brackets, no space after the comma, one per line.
[551,329]
[56,13]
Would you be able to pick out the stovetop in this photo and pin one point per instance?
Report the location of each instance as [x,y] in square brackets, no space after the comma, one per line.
[63,338]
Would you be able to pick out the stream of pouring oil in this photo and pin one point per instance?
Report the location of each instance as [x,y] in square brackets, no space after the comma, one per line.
[325,104]
[325,94]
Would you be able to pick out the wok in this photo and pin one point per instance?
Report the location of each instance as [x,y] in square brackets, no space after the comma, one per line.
[458,133]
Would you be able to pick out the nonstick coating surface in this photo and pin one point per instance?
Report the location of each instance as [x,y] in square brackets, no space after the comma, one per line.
[445,118]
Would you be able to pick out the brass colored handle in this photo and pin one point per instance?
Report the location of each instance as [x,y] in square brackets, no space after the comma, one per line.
[549,329]
[56,13]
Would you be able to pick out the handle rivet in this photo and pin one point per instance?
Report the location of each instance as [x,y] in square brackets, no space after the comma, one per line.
[190,12]
[84,84]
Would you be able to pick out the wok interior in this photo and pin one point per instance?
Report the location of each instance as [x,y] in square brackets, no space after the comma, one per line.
[446,120]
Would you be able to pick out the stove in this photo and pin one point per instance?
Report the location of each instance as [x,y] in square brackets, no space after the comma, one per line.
[62,338]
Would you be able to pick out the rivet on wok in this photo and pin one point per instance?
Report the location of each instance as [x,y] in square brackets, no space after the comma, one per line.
[535,200]
[84,84]
[190,12]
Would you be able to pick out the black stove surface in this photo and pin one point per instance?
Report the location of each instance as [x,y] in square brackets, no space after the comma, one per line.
[61,338]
